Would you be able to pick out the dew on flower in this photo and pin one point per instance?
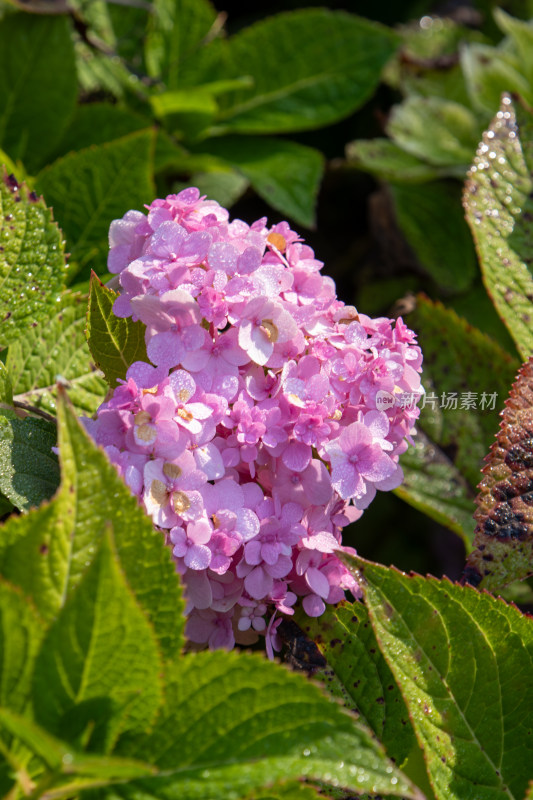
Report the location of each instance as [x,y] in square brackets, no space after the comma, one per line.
[257,432]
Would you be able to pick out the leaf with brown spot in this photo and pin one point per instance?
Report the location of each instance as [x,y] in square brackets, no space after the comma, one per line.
[503,538]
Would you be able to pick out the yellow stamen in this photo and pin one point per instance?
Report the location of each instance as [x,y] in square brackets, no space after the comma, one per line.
[142,417]
[184,414]
[270,330]
[277,241]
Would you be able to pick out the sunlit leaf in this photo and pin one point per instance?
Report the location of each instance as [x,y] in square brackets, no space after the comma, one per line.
[257,723]
[346,639]
[498,206]
[463,661]
[47,551]
[32,261]
[115,342]
[99,666]
[299,83]
[56,350]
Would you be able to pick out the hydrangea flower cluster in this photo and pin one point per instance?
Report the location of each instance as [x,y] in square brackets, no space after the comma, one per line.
[256,433]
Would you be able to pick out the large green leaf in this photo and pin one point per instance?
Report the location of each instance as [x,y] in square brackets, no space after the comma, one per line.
[177,30]
[32,261]
[99,666]
[464,663]
[57,351]
[29,472]
[115,343]
[299,83]
[435,486]
[346,639]
[471,376]
[438,131]
[498,206]
[504,534]
[21,631]
[431,218]
[233,722]
[91,187]
[47,551]
[38,84]
[285,174]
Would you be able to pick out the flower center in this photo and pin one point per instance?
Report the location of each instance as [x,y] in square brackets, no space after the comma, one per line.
[270,330]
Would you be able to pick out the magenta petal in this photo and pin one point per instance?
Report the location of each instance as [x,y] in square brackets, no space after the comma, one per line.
[198,557]
[296,456]
[165,349]
[313,606]
[258,583]
[317,581]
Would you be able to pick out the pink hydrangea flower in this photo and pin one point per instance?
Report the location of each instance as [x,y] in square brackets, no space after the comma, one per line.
[255,433]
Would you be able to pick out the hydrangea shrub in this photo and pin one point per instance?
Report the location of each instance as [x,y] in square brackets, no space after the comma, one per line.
[270,413]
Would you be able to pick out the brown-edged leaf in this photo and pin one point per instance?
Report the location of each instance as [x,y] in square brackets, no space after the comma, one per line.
[503,539]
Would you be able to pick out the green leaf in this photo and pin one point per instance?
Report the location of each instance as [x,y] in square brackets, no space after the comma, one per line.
[38,85]
[292,790]
[29,471]
[490,71]
[464,663]
[177,32]
[6,386]
[21,631]
[47,551]
[57,351]
[388,161]
[436,487]
[90,188]
[498,209]
[115,343]
[471,375]
[438,131]
[285,174]
[188,111]
[99,664]
[235,722]
[445,249]
[299,83]
[98,123]
[63,760]
[520,33]
[32,262]
[504,533]
[346,639]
